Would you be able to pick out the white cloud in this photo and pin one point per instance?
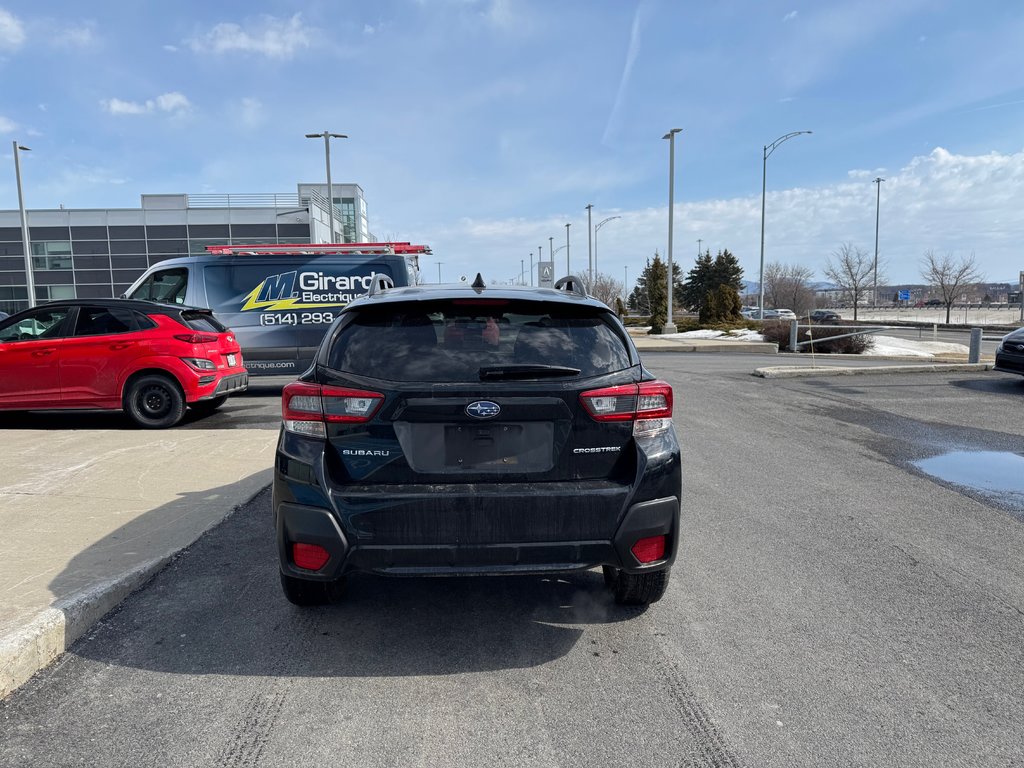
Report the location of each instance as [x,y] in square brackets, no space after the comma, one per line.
[940,201]
[251,112]
[81,35]
[172,103]
[369,29]
[790,16]
[12,32]
[7,125]
[268,36]
[171,48]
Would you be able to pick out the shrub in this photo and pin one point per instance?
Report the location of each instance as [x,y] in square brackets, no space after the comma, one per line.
[778,332]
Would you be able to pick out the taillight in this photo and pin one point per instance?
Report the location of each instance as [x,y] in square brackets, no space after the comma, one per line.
[647,404]
[306,408]
[312,557]
[650,549]
[197,338]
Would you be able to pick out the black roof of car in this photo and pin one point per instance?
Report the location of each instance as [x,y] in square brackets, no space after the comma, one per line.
[455,291]
[147,307]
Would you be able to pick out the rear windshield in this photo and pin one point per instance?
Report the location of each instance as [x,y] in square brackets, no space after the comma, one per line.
[203,321]
[454,340]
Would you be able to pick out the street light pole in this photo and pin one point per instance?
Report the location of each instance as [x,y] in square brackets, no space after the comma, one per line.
[439,271]
[327,136]
[671,136]
[878,201]
[30,283]
[768,149]
[699,241]
[596,230]
[590,252]
[531,269]
[551,250]
[522,267]
[568,271]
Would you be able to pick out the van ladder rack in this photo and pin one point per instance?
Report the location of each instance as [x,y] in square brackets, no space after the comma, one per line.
[318,249]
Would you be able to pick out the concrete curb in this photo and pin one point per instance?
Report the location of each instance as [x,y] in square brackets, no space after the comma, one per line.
[43,639]
[40,642]
[794,371]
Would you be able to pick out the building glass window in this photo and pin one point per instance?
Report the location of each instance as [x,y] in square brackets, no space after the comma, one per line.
[55,292]
[41,263]
[52,248]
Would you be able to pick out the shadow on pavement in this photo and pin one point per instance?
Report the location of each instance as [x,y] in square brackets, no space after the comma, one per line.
[996,382]
[218,609]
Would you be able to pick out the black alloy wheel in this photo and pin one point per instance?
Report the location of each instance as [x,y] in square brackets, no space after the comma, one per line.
[155,402]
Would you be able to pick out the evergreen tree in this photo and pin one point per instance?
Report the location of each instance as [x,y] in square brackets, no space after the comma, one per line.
[698,283]
[705,279]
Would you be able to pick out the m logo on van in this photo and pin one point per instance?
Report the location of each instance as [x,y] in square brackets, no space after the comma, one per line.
[306,290]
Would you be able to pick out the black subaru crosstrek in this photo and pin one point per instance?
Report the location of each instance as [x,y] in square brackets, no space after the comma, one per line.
[475,429]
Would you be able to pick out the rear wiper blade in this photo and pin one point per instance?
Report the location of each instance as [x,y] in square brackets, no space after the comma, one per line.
[506,372]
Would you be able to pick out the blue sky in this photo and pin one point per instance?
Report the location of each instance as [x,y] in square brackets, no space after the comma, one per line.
[481,127]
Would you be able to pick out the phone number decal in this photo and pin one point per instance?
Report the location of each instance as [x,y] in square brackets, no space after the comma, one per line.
[297,318]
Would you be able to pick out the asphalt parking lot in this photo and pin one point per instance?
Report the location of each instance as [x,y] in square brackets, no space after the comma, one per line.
[834,604]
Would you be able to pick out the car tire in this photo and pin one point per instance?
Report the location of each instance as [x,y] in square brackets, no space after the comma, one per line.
[154,401]
[305,593]
[209,406]
[640,588]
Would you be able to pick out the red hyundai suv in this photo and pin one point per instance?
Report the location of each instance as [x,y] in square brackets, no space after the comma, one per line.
[151,360]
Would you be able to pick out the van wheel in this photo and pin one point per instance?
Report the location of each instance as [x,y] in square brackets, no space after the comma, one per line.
[154,402]
[640,588]
[307,593]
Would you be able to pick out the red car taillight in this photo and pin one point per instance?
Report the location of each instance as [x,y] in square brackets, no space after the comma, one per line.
[648,405]
[197,338]
[306,408]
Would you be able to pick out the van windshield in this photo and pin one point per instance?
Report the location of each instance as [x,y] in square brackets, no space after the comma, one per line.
[285,285]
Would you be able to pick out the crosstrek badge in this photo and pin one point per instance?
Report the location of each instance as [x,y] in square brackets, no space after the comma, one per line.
[306,290]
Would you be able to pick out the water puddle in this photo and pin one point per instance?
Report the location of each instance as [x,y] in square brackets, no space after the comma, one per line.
[997,475]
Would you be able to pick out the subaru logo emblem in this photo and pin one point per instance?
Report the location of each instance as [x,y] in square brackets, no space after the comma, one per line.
[483,409]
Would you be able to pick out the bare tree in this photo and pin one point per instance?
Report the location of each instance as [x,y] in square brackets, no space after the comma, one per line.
[950,275]
[603,287]
[788,285]
[852,270]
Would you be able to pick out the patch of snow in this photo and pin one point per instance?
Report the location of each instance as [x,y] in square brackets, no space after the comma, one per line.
[891,345]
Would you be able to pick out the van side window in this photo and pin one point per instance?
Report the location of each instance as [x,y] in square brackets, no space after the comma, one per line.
[166,286]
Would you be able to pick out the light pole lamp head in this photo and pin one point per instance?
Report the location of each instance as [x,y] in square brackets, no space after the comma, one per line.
[24,149]
[672,133]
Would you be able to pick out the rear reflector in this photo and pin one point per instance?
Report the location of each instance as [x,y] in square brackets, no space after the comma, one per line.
[306,407]
[650,549]
[312,557]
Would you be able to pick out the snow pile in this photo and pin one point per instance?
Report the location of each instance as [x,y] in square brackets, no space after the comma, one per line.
[891,345]
[741,334]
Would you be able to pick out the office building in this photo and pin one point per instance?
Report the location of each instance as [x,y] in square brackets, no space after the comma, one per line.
[92,253]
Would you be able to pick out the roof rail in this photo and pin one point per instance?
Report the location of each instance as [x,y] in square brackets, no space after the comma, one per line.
[379,284]
[318,249]
[572,284]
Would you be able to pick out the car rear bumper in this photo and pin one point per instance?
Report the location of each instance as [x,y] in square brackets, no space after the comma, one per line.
[1008,363]
[314,525]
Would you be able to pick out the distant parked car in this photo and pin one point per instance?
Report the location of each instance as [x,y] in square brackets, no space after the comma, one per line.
[933,303]
[1010,353]
[824,316]
[786,314]
[3,315]
[769,314]
[150,360]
